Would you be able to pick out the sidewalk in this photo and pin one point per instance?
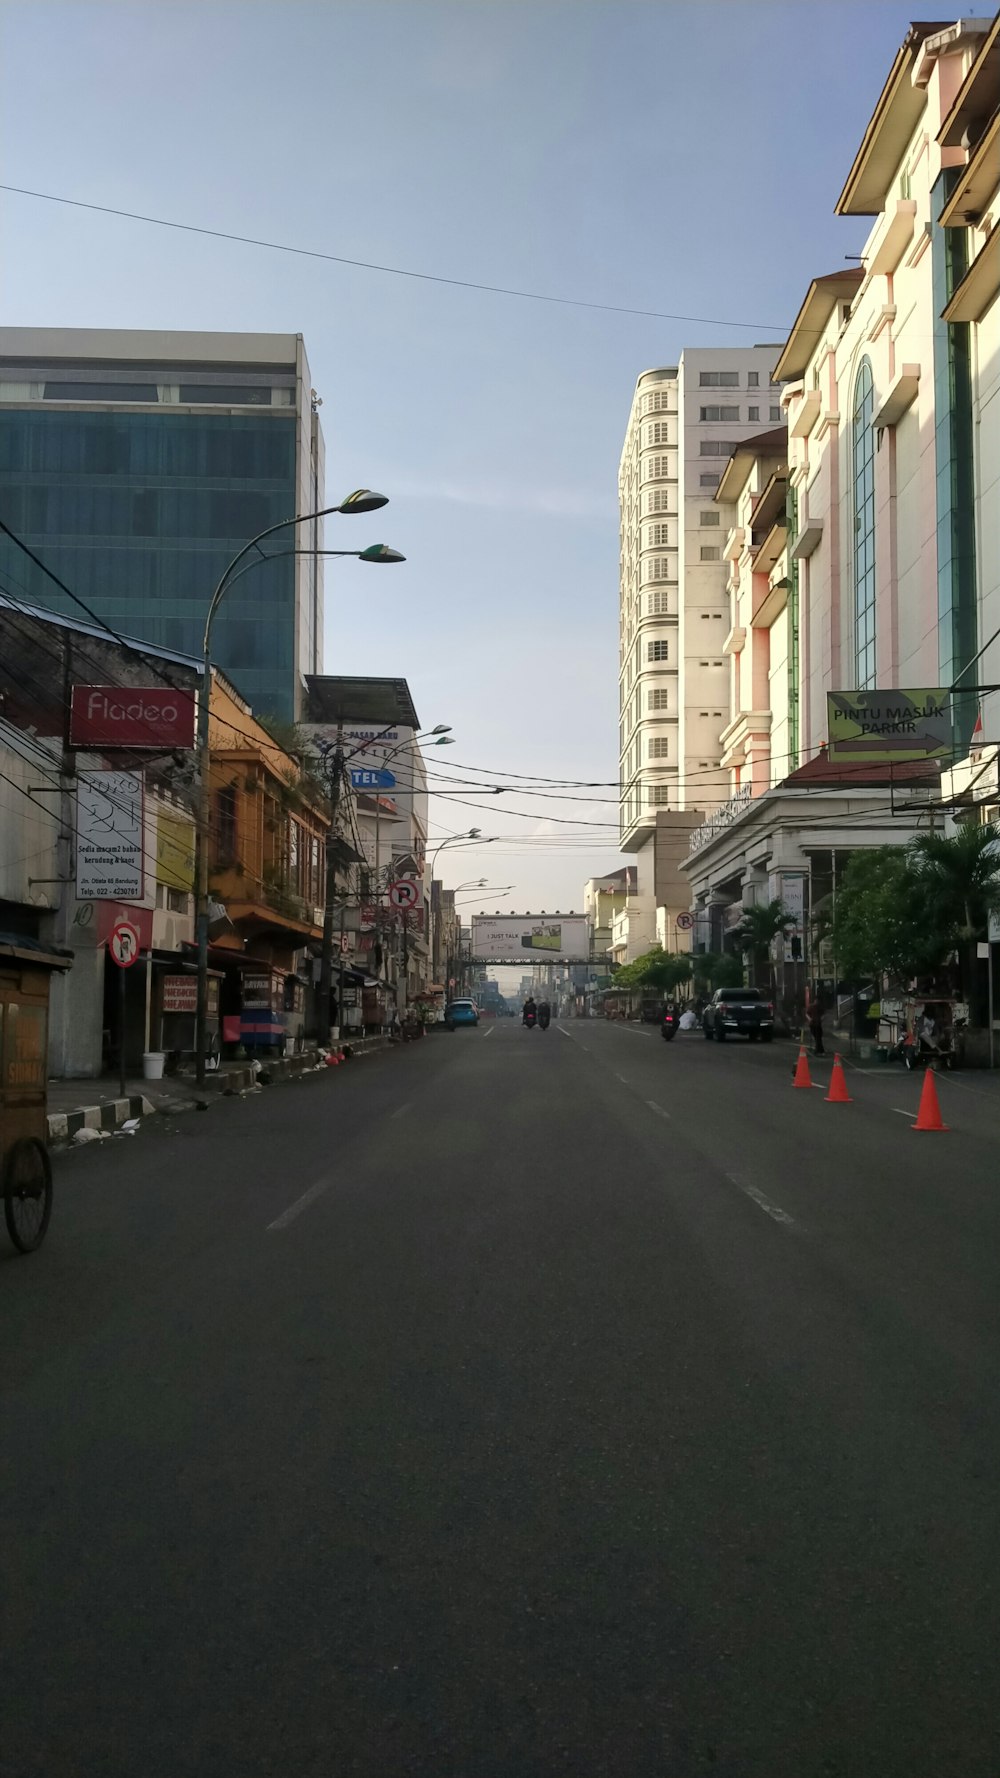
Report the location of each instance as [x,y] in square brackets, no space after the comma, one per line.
[96,1104]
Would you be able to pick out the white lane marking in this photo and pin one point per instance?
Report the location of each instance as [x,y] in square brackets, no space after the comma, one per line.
[300,1204]
[657,1108]
[400,1109]
[902,1113]
[764,1203]
[489,1031]
[622,1078]
[633,1032]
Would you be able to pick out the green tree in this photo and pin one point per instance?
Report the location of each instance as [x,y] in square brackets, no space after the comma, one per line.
[712,970]
[654,969]
[958,879]
[880,923]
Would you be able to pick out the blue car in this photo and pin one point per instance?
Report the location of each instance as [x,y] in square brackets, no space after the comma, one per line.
[461,1012]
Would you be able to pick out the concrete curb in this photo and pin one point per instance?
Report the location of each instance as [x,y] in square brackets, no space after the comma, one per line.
[110,1114]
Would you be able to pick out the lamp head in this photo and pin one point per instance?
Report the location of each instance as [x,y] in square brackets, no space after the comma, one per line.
[380,552]
[362,500]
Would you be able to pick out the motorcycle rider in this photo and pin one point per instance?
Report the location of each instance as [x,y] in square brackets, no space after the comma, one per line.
[529,1011]
[544,1014]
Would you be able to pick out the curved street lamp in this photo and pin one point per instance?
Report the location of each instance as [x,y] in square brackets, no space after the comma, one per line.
[362,500]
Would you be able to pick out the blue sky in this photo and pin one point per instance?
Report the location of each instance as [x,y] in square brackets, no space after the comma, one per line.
[683,158]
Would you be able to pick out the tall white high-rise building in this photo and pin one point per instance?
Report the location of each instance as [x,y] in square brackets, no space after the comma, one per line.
[686,420]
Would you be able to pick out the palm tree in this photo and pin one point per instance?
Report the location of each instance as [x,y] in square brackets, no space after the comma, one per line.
[960,878]
[757,930]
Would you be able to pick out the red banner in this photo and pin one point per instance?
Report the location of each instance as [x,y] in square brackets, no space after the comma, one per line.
[127,716]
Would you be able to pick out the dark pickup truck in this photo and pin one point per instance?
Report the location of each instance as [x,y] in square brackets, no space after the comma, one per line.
[738,1012]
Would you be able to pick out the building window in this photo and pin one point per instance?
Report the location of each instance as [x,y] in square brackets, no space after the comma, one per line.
[225,824]
[711,480]
[658,433]
[659,746]
[720,413]
[656,469]
[225,395]
[659,698]
[659,568]
[658,536]
[658,651]
[863,482]
[718,379]
[659,796]
[658,603]
[716,447]
[753,379]
[660,500]
[753,413]
[100,392]
[710,552]
[710,518]
[776,414]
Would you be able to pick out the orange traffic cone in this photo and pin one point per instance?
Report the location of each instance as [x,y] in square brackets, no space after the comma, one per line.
[838,1094]
[802,1076]
[929,1115]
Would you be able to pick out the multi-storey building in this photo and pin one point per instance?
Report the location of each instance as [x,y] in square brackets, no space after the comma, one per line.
[673,618]
[863,547]
[377,726]
[673,679]
[136,464]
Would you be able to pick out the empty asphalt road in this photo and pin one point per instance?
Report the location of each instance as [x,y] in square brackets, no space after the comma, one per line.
[517,1404]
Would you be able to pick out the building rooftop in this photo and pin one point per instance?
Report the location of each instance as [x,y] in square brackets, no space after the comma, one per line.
[818,305]
[66,345]
[824,773]
[773,443]
[894,119]
[335,697]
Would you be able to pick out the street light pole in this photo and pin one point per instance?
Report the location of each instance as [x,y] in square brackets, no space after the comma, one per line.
[361,501]
[454,839]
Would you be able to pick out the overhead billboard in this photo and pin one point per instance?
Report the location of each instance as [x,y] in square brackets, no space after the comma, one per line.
[131,717]
[890,726]
[557,938]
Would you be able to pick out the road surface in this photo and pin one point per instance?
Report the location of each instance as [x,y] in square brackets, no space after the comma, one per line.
[517,1404]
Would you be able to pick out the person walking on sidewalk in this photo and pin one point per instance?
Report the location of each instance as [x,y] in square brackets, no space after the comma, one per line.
[816,1026]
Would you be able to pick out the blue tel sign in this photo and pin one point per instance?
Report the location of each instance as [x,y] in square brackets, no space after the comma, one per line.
[366,778]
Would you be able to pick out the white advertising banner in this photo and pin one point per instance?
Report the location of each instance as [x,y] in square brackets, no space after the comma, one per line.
[557,938]
[793,897]
[110,865]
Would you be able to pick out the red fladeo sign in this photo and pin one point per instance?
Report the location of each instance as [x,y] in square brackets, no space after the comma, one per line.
[131,716]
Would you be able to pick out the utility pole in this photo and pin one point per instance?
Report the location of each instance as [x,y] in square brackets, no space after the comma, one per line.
[335,780]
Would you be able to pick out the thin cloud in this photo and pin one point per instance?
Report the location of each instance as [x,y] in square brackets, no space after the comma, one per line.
[561,503]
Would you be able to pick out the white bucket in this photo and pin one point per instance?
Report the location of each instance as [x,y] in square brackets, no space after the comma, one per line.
[152,1064]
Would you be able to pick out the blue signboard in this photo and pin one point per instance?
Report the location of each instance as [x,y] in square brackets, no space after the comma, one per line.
[366,778]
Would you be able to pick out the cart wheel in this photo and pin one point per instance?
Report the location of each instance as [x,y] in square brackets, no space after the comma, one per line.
[27,1193]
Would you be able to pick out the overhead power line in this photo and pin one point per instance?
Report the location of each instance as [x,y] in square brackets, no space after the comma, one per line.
[392,271]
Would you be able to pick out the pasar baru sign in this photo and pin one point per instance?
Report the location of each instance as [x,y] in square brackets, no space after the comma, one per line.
[131,716]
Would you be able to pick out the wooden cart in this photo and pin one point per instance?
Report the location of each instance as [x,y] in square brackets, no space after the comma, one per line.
[25,1169]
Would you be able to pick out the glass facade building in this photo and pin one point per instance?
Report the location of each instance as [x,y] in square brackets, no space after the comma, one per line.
[139,512]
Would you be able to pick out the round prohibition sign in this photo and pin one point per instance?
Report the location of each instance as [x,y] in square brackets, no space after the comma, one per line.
[124,943]
[685,922]
[404,893]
